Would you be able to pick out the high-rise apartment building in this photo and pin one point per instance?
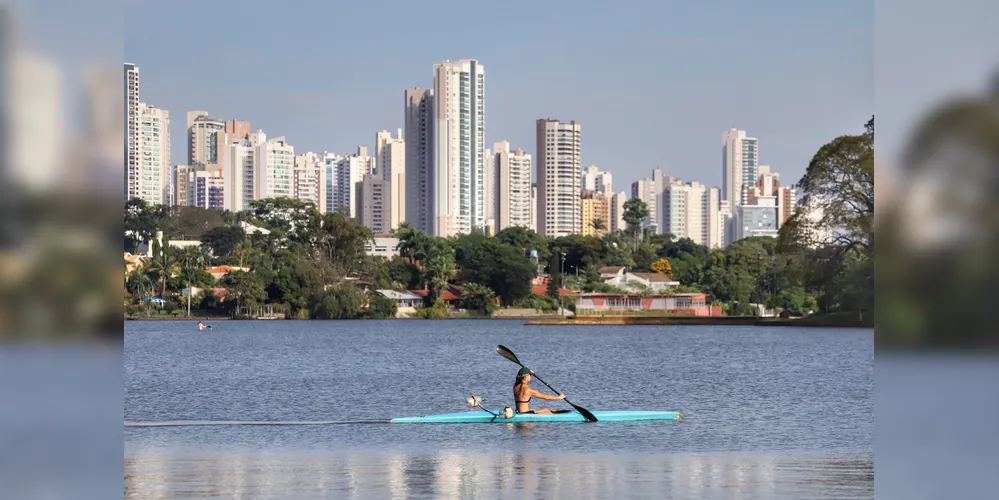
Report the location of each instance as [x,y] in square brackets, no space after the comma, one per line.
[740,165]
[512,179]
[692,211]
[308,180]
[684,213]
[203,186]
[457,197]
[712,208]
[758,219]
[132,85]
[330,162]
[206,138]
[237,130]
[179,185]
[726,223]
[534,207]
[376,203]
[617,211]
[390,164]
[419,144]
[558,159]
[152,179]
[786,201]
[240,171]
[489,188]
[350,171]
[595,180]
[595,208]
[274,164]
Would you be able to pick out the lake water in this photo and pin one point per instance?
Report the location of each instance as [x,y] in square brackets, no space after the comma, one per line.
[767,412]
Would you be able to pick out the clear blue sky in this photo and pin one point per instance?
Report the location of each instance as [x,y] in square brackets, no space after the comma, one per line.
[653,83]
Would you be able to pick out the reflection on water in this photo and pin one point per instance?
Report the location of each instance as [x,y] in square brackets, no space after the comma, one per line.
[460,475]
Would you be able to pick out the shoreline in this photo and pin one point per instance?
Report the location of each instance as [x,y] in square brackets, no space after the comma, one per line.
[594,321]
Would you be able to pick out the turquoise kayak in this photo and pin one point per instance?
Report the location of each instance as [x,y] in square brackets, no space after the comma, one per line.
[482,417]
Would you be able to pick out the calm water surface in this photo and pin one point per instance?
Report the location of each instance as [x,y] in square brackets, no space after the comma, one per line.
[767,413]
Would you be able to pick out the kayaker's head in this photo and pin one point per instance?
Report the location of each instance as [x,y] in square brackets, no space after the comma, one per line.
[524,375]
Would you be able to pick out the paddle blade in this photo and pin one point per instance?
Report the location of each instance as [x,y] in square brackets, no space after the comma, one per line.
[583,411]
[508,354]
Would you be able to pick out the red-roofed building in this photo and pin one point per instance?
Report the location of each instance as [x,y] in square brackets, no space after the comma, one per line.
[693,304]
[543,290]
[447,296]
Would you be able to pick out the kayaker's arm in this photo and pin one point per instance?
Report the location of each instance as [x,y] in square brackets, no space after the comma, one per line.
[538,394]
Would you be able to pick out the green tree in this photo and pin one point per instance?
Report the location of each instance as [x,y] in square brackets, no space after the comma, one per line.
[526,240]
[635,211]
[439,269]
[380,307]
[404,273]
[140,224]
[414,244]
[478,298]
[222,240]
[343,301]
[163,265]
[193,263]
[246,290]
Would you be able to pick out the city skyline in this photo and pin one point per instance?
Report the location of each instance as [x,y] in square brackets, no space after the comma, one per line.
[670,117]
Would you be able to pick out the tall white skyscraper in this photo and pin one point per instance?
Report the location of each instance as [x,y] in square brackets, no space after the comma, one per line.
[274,163]
[240,171]
[419,144]
[308,180]
[390,164]
[489,188]
[153,174]
[458,174]
[330,162]
[350,171]
[595,180]
[726,223]
[513,186]
[740,165]
[558,160]
[691,211]
[131,130]
[617,211]
[716,233]
[206,138]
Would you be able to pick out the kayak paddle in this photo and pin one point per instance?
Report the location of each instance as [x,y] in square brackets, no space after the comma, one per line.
[508,354]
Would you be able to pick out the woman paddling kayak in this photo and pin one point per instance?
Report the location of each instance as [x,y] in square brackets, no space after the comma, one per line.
[522,394]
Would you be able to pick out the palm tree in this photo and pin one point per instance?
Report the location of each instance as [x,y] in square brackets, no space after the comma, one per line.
[413,243]
[438,271]
[140,285]
[193,261]
[163,265]
[241,252]
[598,225]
